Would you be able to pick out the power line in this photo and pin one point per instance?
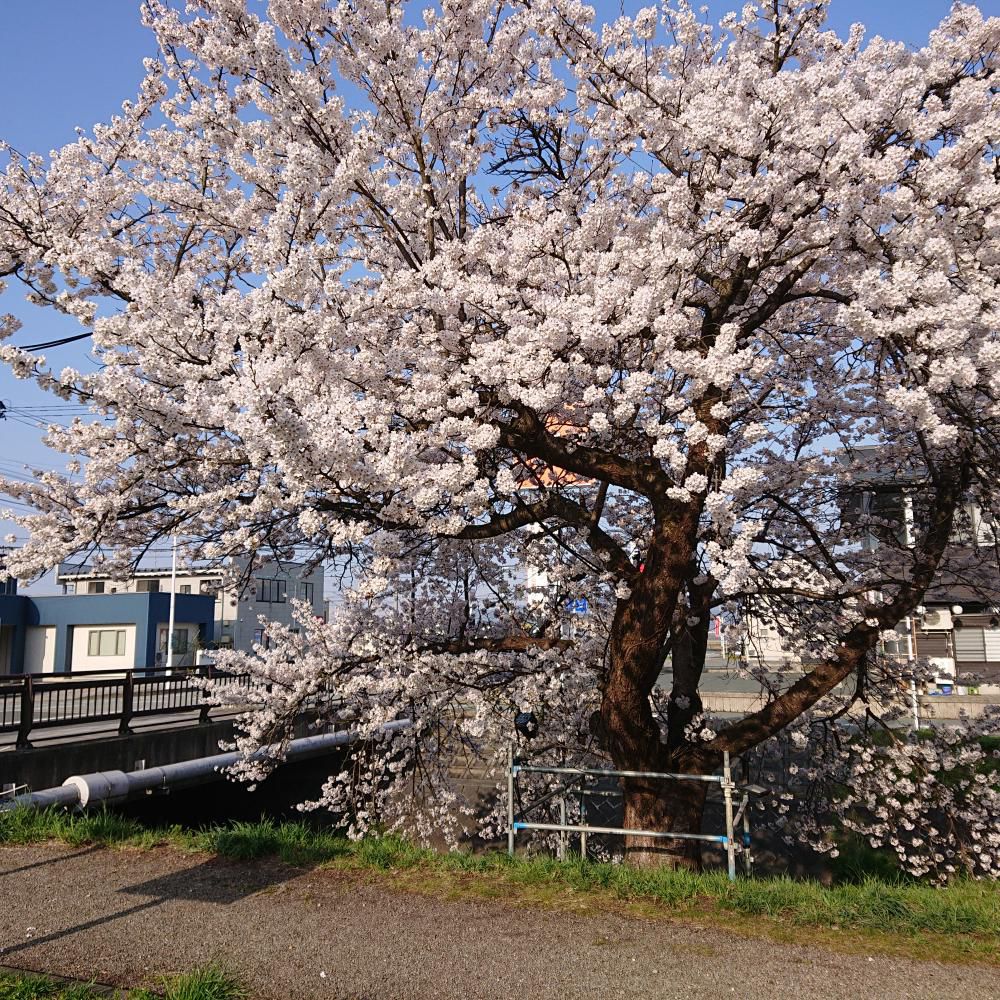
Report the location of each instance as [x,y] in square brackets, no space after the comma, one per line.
[48,406]
[22,421]
[38,417]
[25,508]
[45,345]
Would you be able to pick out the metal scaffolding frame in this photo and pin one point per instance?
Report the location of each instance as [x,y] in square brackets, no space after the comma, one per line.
[574,784]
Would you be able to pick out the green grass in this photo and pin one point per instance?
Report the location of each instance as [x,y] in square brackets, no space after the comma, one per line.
[210,982]
[28,986]
[870,903]
[28,826]
[207,983]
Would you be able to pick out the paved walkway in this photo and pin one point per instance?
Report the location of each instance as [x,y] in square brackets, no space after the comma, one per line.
[125,917]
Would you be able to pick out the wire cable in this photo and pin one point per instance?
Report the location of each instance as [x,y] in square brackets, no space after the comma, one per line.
[45,345]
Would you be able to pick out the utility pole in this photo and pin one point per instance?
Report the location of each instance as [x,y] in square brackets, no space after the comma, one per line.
[911,629]
[173,601]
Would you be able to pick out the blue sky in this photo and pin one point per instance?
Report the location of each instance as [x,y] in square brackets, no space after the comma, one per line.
[72,62]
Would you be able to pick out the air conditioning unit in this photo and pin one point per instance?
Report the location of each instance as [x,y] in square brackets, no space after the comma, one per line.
[936,620]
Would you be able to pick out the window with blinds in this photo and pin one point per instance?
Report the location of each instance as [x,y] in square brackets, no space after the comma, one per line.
[978,645]
[106,642]
[933,644]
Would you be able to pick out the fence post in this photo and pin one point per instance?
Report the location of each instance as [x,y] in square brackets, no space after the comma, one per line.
[563,834]
[510,799]
[206,706]
[583,820]
[27,713]
[128,703]
[727,795]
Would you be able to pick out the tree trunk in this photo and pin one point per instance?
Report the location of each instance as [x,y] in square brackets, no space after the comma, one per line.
[634,738]
[674,806]
[643,624]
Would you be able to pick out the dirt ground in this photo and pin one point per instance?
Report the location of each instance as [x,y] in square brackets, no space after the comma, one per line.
[127,917]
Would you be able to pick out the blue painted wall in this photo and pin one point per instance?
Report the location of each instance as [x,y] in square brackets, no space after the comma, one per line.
[145,611]
[13,612]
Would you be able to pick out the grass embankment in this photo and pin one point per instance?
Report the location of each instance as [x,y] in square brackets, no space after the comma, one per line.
[903,916]
[209,983]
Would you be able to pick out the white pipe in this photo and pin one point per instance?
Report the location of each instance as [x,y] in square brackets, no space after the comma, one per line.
[116,786]
[63,796]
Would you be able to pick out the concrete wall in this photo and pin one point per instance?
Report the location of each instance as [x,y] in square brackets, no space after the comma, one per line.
[14,614]
[49,766]
[40,649]
[185,658]
[6,648]
[79,645]
[941,707]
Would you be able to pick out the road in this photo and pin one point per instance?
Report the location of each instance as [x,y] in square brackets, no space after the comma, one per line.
[126,917]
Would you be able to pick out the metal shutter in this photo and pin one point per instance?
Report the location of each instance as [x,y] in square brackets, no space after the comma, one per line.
[932,644]
[992,636]
[970,644]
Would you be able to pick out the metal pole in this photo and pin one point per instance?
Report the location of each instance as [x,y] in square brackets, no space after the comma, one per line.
[747,853]
[563,835]
[583,822]
[911,649]
[711,838]
[727,795]
[27,712]
[604,773]
[510,799]
[128,703]
[173,593]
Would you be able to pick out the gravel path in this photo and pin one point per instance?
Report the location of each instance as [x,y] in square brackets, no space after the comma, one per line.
[126,917]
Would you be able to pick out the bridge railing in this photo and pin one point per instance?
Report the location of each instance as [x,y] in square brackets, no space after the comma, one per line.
[39,701]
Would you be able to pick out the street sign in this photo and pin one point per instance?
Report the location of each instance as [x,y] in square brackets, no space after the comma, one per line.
[577,605]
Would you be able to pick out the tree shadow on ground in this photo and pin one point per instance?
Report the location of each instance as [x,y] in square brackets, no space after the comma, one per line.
[214,880]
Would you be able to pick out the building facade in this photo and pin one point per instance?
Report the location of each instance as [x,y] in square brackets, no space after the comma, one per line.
[57,635]
[957,627]
[268,592]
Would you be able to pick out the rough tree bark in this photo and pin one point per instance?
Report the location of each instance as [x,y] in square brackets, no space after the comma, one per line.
[645,622]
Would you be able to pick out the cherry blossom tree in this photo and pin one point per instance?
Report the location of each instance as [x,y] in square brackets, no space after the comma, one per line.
[441,294]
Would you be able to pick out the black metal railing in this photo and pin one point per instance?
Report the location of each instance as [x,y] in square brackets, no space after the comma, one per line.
[39,701]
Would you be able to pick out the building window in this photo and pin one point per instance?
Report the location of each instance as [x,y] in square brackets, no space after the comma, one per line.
[95,587]
[272,591]
[147,587]
[306,592]
[180,640]
[902,646]
[970,645]
[260,639]
[185,588]
[106,642]
[210,587]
